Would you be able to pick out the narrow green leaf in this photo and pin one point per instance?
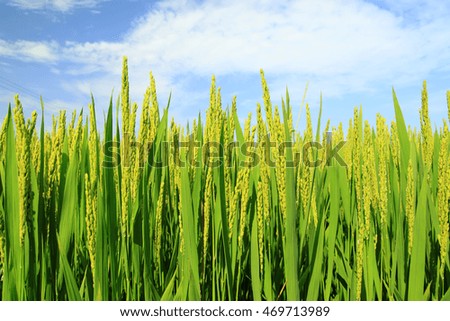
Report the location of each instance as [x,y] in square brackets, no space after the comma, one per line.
[417,265]
[291,248]
[256,281]
[71,284]
[192,267]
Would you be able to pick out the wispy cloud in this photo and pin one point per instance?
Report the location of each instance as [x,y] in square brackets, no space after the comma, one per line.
[415,12]
[56,5]
[339,46]
[345,45]
[37,51]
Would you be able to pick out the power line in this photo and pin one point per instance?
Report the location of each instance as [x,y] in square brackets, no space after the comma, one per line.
[11,85]
[15,88]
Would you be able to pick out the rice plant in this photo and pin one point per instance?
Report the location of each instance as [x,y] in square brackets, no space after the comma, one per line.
[220,210]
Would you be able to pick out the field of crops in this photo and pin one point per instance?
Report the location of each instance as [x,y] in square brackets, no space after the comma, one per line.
[219,210]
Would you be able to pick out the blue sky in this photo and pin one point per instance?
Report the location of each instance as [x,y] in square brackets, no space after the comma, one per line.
[352,51]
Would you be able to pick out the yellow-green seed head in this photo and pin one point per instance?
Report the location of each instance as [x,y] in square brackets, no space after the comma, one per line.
[410,204]
[443,198]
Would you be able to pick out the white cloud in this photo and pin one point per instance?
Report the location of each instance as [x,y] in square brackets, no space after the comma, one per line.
[38,51]
[346,45]
[56,5]
[327,38]
[340,46]
[415,12]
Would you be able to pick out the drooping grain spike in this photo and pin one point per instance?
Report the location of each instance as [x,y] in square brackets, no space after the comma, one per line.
[381,140]
[448,104]
[24,134]
[267,102]
[410,204]
[427,132]
[443,198]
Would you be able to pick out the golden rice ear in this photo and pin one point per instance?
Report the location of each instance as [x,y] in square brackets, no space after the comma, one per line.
[159,223]
[448,104]
[443,197]
[426,130]
[382,151]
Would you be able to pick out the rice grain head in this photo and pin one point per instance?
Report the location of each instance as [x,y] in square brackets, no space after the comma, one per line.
[3,135]
[91,220]
[24,134]
[304,176]
[244,181]
[158,223]
[381,140]
[395,144]
[267,103]
[448,104]
[427,132]
[370,179]
[443,198]
[280,162]
[410,204]
[260,216]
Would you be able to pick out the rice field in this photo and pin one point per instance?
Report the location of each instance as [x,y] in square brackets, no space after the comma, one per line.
[222,210]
